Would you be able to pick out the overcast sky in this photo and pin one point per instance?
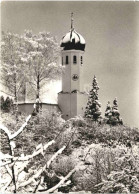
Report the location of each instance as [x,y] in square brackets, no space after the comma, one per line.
[111,31]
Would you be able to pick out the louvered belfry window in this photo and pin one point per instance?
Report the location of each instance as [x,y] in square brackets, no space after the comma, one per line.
[81,59]
[74,59]
[67,60]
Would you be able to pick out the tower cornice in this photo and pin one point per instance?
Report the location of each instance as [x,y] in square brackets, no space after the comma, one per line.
[72,51]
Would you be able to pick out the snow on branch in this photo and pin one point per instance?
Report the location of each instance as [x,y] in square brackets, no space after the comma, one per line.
[21,128]
[4,163]
[63,179]
[8,170]
[5,187]
[61,182]
[55,155]
[24,158]
[48,144]
[22,168]
[32,179]
[4,156]
[12,136]
[39,149]
[6,130]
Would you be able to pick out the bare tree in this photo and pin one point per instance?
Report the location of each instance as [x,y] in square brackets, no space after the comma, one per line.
[29,58]
[12,67]
[41,56]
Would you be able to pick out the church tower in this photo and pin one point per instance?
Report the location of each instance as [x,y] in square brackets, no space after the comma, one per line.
[72,100]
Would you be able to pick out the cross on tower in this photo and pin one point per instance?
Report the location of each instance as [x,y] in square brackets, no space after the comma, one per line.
[72,20]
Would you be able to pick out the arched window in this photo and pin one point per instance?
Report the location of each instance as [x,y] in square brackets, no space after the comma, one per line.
[74,59]
[67,60]
[81,59]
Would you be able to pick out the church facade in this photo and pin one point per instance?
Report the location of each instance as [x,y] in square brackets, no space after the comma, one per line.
[72,100]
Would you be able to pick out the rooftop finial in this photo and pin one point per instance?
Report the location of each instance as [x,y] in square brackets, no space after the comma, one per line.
[72,21]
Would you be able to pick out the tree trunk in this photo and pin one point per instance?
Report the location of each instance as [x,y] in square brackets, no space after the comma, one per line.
[15,99]
[38,94]
[12,167]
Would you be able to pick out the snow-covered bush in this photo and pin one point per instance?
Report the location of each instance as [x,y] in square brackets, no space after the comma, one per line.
[105,169]
[124,178]
[41,128]
[110,135]
[87,154]
[6,104]
[25,172]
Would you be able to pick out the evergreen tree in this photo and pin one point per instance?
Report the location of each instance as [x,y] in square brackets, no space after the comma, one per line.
[108,112]
[115,119]
[2,103]
[93,106]
[7,106]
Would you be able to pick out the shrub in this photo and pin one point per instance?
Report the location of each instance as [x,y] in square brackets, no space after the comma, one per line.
[7,104]
[28,172]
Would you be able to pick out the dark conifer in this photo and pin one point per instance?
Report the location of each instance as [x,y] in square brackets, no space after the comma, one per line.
[2,102]
[115,119]
[7,106]
[108,112]
[93,106]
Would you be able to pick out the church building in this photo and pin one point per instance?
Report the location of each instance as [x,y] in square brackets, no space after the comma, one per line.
[72,100]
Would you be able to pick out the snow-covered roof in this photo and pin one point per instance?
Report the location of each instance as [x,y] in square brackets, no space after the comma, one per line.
[73,40]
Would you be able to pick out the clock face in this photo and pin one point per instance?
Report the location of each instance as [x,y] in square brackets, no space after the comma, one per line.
[75,77]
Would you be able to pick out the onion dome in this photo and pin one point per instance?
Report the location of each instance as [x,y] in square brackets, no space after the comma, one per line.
[73,40]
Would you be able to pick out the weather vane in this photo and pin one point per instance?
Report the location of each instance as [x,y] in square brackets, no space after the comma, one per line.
[72,20]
